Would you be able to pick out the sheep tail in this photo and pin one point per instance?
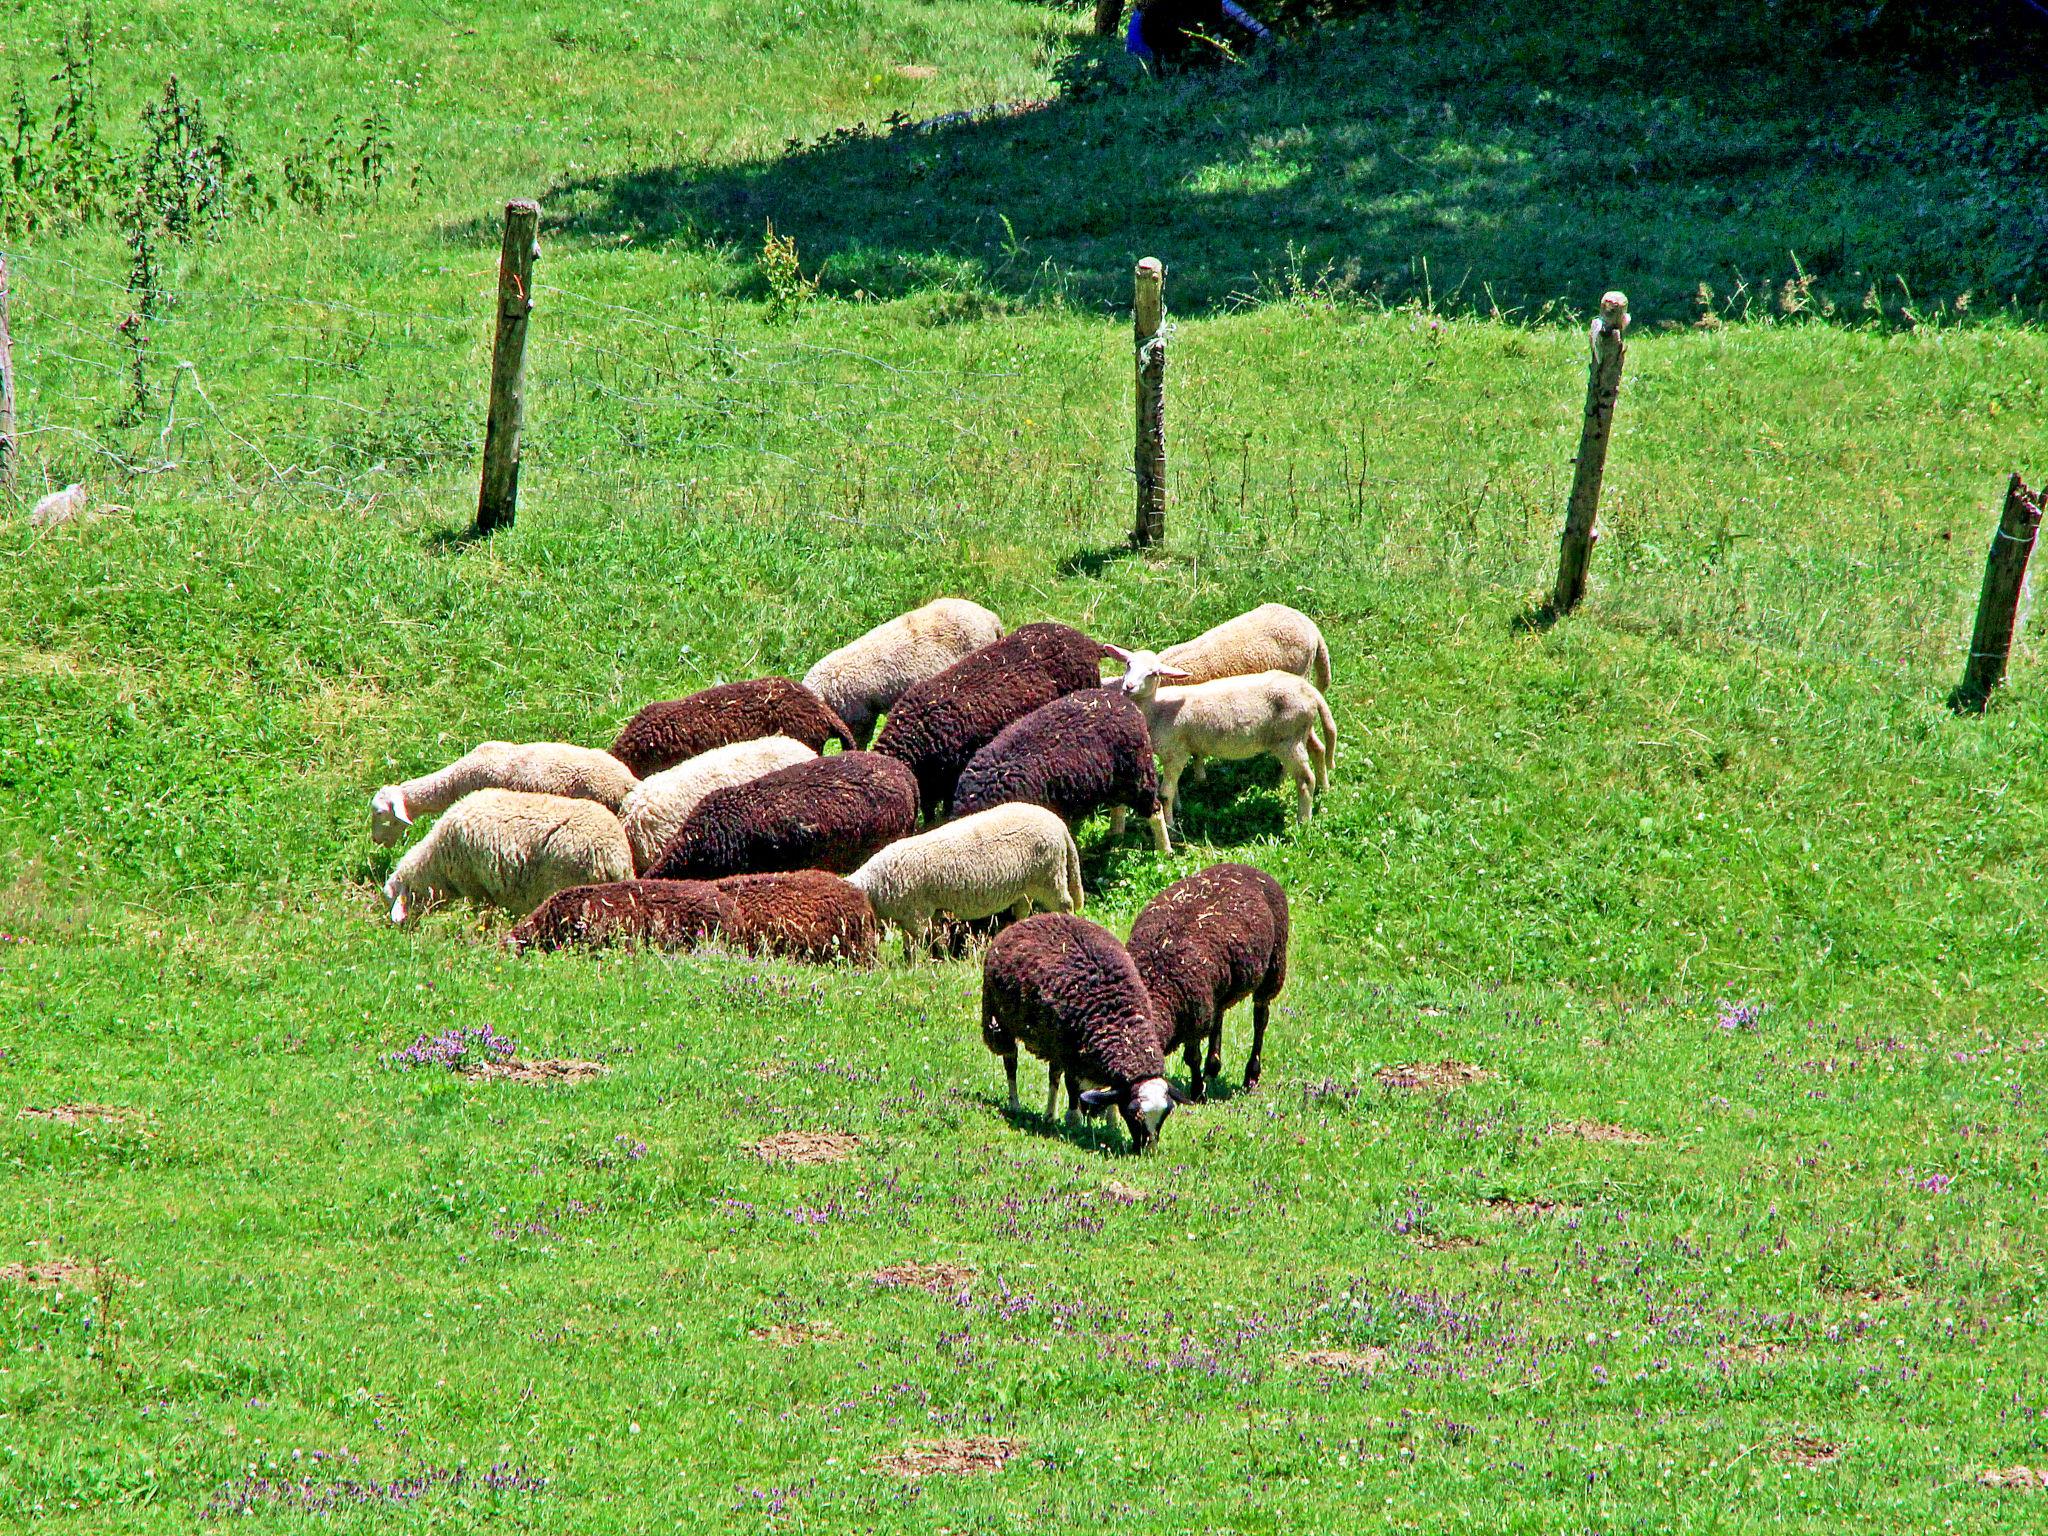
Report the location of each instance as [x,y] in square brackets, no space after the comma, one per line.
[1320,664]
[1074,873]
[1329,731]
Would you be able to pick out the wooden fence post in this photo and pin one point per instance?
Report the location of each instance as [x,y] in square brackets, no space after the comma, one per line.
[2005,577]
[498,499]
[10,446]
[1107,14]
[1603,383]
[1149,457]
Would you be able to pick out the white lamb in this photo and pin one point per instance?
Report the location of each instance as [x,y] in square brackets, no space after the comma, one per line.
[864,678]
[505,848]
[536,767]
[659,805]
[1274,714]
[1009,858]
[1271,638]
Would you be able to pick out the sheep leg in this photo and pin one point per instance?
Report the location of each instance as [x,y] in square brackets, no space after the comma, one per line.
[1010,1070]
[1198,770]
[1052,1092]
[1022,909]
[1169,787]
[1303,772]
[1260,1008]
[1159,838]
[1117,817]
[1073,1100]
[1197,1090]
[1215,1066]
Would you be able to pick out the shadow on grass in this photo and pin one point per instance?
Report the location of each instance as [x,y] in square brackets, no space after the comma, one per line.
[447,538]
[1473,159]
[1093,562]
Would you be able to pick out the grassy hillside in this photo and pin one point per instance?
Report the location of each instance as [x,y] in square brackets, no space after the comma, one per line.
[1739,1228]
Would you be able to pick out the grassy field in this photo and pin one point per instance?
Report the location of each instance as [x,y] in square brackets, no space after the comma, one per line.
[1734,1226]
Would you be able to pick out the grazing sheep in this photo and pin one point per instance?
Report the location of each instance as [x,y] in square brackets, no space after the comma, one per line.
[1203,945]
[939,724]
[1268,713]
[1005,859]
[828,813]
[1080,752]
[664,734]
[1066,991]
[656,810]
[506,848]
[1271,638]
[536,767]
[864,678]
[805,915]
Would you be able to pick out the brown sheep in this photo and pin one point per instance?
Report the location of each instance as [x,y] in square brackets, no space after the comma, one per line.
[802,915]
[1083,751]
[674,730]
[1204,944]
[828,813]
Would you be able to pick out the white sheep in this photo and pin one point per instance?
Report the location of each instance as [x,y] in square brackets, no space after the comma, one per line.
[1005,859]
[659,805]
[864,678]
[535,767]
[1271,638]
[1275,714]
[506,848]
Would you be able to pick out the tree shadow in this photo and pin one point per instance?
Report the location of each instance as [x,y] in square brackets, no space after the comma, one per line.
[1093,562]
[1471,161]
[454,538]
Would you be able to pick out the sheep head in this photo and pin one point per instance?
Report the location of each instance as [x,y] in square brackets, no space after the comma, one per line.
[1143,671]
[1144,1106]
[388,815]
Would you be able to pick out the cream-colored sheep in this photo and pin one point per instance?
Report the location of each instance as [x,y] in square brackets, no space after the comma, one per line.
[1276,714]
[536,767]
[1009,858]
[505,848]
[1271,638]
[864,678]
[656,810]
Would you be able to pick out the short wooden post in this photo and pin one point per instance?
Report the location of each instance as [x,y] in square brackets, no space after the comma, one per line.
[1149,457]
[2005,577]
[498,500]
[1582,512]
[10,447]
[1107,14]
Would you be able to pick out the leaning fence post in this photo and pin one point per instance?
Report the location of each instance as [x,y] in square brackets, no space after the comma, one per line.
[1107,14]
[1603,383]
[1149,457]
[498,499]
[10,447]
[2005,577]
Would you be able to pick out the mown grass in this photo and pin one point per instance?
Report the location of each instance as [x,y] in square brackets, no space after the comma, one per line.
[1556,857]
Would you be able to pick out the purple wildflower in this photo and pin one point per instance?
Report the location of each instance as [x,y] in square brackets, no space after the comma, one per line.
[1936,1183]
[455,1049]
[1736,1016]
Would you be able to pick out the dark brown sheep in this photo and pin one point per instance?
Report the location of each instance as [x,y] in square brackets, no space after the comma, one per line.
[1065,990]
[939,724]
[829,813]
[1081,752]
[803,915]
[663,914]
[1204,944]
[674,730]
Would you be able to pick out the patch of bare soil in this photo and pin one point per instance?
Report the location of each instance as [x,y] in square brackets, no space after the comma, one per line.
[1768,1353]
[1508,1205]
[952,1458]
[78,1114]
[940,1279]
[1343,1362]
[1440,1244]
[50,1272]
[1880,1292]
[803,1147]
[1805,1451]
[1594,1130]
[1433,1076]
[549,1069]
[1122,1193]
[2033,1479]
[917,71]
[790,1335]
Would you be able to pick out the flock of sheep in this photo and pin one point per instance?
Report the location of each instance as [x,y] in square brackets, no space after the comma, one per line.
[719,817]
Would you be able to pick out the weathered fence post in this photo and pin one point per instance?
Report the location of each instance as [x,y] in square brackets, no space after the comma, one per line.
[498,500]
[10,447]
[1149,457]
[1603,383]
[2005,577]
[1107,14]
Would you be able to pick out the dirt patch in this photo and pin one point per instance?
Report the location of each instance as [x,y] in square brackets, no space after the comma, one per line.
[1508,1205]
[790,1335]
[952,1458]
[1437,1244]
[1879,1293]
[805,1147]
[79,1114]
[917,71]
[550,1069]
[2033,1479]
[50,1272]
[1758,1354]
[940,1279]
[1432,1076]
[1595,1130]
[1342,1362]
[1805,1451]
[1122,1193]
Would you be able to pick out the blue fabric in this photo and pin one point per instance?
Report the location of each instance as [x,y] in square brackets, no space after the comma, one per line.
[1238,14]
[1134,39]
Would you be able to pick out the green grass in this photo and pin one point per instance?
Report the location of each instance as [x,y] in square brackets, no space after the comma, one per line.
[1554,856]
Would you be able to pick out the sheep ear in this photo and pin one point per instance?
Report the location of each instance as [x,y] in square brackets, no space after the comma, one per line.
[398,908]
[1096,1100]
[1118,652]
[398,807]
[1175,1096]
[1165,671]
